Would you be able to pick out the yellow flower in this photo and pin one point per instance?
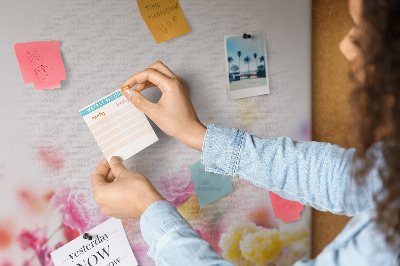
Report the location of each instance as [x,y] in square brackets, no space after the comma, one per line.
[190,209]
[230,241]
[248,244]
[249,111]
[294,236]
[297,247]
[262,247]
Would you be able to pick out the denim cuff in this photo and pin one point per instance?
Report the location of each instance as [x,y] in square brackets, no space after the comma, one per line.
[222,148]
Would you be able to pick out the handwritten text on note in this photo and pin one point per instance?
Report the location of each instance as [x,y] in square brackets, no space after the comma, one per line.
[41,63]
[164,19]
[209,186]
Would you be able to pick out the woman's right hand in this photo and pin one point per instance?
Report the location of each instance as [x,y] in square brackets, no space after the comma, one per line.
[174,112]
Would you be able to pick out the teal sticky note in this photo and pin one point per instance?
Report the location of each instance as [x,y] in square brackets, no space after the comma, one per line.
[209,186]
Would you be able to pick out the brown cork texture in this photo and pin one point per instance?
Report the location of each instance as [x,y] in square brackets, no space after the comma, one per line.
[330,100]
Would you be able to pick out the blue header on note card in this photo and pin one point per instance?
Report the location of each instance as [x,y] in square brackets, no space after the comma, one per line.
[100,103]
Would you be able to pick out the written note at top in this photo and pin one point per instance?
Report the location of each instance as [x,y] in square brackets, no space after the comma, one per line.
[209,186]
[118,126]
[164,18]
[41,64]
[284,209]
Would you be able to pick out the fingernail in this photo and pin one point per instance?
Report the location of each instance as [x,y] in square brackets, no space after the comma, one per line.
[129,94]
[115,160]
[124,88]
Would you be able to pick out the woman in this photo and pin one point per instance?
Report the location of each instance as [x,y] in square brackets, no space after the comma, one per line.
[317,174]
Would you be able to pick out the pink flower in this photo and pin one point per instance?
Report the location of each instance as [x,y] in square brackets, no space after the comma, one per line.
[177,189]
[59,244]
[44,256]
[32,239]
[52,158]
[140,252]
[77,206]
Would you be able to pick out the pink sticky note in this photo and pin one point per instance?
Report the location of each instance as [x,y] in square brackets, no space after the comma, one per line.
[284,209]
[41,63]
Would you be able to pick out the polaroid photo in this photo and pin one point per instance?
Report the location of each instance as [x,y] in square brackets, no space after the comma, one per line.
[246,64]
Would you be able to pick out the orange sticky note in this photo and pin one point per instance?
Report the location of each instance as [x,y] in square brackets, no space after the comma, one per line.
[41,63]
[164,18]
[284,209]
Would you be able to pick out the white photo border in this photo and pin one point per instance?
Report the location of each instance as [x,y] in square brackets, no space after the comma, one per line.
[248,92]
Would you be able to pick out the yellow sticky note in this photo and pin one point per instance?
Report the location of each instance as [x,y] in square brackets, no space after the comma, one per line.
[164,18]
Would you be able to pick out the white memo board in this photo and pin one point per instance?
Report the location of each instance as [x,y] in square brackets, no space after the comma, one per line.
[102,43]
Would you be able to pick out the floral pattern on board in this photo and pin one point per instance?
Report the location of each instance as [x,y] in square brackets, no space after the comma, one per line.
[177,188]
[78,208]
[248,244]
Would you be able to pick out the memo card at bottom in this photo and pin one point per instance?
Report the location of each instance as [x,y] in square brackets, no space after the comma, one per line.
[118,126]
[209,186]
[108,246]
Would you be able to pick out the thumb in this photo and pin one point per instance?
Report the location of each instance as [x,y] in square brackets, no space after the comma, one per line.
[138,100]
[117,167]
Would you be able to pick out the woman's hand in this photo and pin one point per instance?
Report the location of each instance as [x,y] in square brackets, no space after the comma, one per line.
[174,113]
[127,197]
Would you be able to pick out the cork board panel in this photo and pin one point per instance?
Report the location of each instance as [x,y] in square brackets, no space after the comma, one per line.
[330,99]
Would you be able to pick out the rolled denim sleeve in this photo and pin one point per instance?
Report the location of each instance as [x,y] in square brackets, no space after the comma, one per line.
[313,173]
[172,240]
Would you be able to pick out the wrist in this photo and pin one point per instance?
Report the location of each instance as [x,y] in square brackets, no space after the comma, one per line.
[148,203]
[197,137]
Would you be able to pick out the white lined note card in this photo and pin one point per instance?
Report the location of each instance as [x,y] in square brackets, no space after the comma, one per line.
[118,126]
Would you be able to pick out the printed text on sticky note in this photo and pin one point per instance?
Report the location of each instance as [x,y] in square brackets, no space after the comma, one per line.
[118,126]
[284,209]
[41,63]
[108,246]
[209,186]
[164,18]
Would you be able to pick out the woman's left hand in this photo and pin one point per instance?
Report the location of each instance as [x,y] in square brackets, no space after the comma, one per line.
[127,197]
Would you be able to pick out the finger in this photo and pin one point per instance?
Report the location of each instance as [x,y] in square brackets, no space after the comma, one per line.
[140,102]
[100,174]
[142,86]
[159,80]
[110,177]
[160,67]
[117,167]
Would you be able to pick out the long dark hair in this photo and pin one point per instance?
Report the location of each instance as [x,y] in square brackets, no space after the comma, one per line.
[375,103]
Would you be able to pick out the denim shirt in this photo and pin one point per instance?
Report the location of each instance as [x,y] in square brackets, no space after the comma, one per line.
[312,173]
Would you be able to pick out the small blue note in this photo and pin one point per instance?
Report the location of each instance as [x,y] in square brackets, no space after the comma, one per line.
[209,186]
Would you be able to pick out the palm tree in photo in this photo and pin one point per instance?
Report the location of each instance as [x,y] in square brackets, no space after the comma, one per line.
[234,68]
[230,60]
[255,58]
[239,54]
[247,60]
[262,59]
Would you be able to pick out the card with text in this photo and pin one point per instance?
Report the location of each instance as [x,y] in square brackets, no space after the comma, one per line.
[118,126]
[209,186]
[164,18]
[41,63]
[108,246]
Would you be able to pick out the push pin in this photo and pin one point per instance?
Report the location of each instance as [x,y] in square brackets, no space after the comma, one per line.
[246,36]
[87,236]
